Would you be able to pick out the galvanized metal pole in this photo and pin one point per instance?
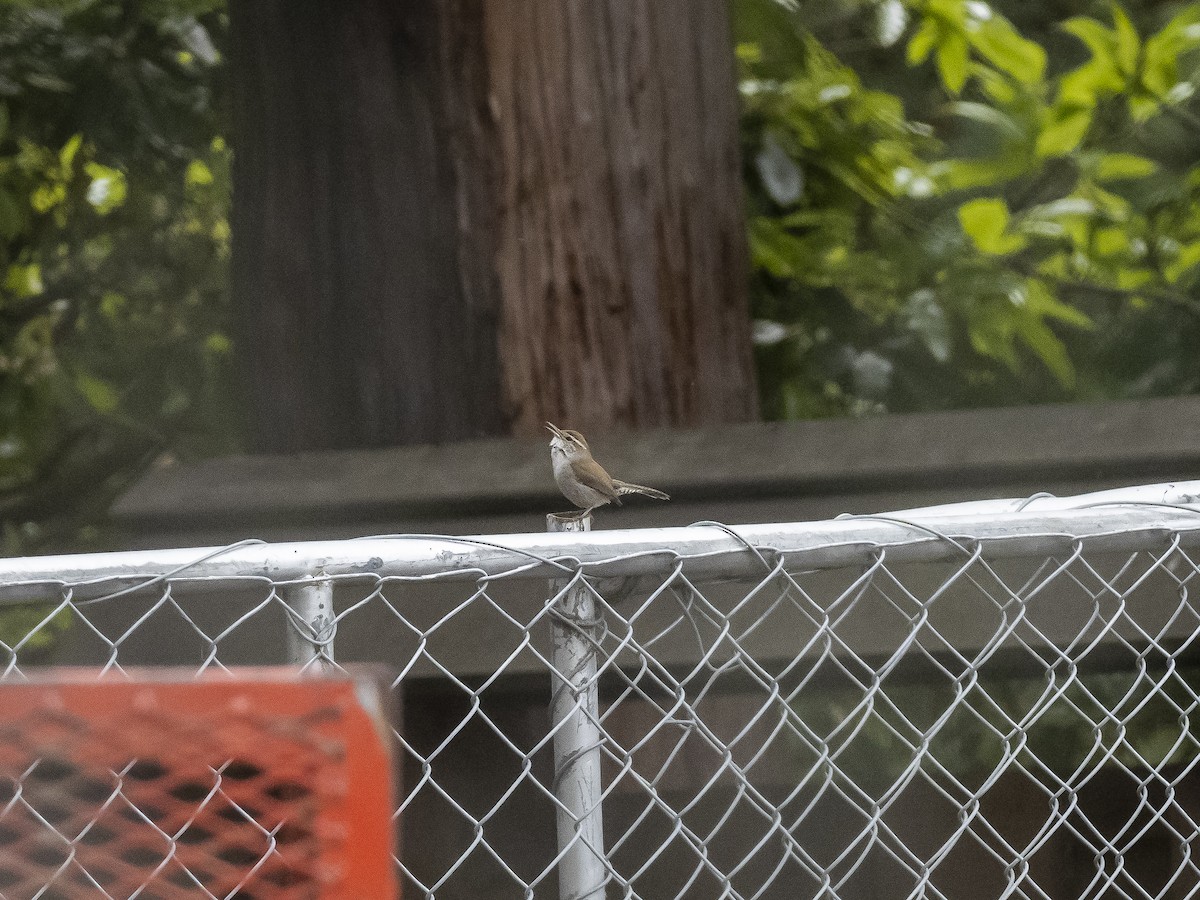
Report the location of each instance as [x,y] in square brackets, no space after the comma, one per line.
[310,631]
[574,715]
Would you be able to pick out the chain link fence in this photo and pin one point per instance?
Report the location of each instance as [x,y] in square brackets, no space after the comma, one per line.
[988,700]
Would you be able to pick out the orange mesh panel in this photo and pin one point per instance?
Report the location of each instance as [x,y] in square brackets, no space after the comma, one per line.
[266,788]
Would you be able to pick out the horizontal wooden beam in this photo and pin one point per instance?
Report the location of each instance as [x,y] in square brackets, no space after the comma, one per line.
[1089,445]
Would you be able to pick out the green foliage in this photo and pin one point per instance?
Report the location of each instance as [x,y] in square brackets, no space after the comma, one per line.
[1060,725]
[31,627]
[947,219]
[114,245]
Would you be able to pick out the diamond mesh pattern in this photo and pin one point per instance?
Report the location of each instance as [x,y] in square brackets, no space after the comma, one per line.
[971,724]
[235,789]
[172,830]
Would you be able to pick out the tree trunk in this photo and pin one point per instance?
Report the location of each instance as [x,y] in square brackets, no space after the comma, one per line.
[621,252]
[465,217]
[354,328]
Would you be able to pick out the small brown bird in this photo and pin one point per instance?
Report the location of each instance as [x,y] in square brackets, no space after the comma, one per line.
[582,480]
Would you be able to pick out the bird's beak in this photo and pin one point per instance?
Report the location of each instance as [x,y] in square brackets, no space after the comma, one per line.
[554,429]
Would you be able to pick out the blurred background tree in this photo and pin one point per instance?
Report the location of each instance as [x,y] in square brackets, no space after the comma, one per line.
[950,203]
[949,208]
[114,237]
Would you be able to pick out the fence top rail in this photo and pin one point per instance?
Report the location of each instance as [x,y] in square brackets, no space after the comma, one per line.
[1133,519]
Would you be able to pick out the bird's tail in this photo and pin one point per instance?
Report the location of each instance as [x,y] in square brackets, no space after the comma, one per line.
[624,487]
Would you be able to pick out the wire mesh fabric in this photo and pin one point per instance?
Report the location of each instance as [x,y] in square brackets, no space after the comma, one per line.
[167,787]
[938,712]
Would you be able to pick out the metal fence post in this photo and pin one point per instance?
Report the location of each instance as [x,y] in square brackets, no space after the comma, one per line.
[574,714]
[310,631]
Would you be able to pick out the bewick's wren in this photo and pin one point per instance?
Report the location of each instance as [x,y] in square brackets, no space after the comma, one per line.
[582,480]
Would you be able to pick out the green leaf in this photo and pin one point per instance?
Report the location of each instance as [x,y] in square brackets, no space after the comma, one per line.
[66,156]
[773,248]
[1160,56]
[100,395]
[1041,302]
[1049,349]
[990,330]
[749,53]
[47,196]
[1084,87]
[24,280]
[997,86]
[198,173]
[1111,241]
[107,189]
[1128,42]
[1100,75]
[1188,257]
[1143,108]
[1114,206]
[965,174]
[921,44]
[1063,130]
[952,57]
[1101,40]
[984,219]
[1132,279]
[1180,33]
[999,43]
[954,13]
[1160,69]
[986,222]
[33,626]
[1124,166]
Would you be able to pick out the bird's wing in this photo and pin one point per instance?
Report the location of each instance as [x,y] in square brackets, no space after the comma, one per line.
[592,474]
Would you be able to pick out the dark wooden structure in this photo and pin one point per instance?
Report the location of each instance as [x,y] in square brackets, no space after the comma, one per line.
[462,218]
[763,472]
